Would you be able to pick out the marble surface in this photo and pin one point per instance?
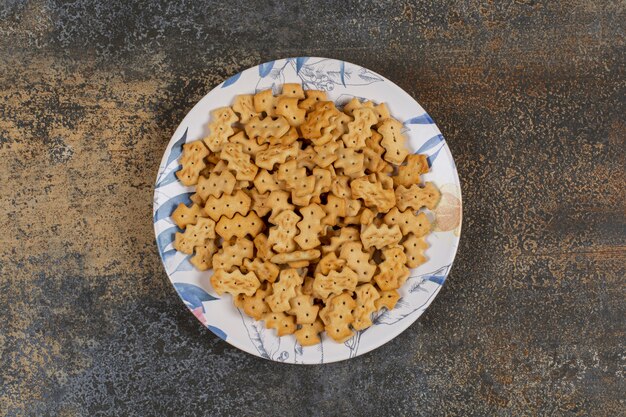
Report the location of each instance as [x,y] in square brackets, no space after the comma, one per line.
[530,97]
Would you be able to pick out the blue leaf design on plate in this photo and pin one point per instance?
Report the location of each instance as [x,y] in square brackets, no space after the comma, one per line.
[430,143]
[192,295]
[342,72]
[168,254]
[166,237]
[218,332]
[437,279]
[424,119]
[431,159]
[177,148]
[264,69]
[232,80]
[185,265]
[169,178]
[168,207]
[300,62]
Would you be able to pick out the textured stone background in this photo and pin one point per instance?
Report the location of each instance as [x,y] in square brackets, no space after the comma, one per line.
[531,98]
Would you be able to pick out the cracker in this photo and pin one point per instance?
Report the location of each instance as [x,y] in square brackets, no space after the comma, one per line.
[323,181]
[350,161]
[288,108]
[393,141]
[374,192]
[249,146]
[276,154]
[263,129]
[347,234]
[360,128]
[255,306]
[373,143]
[192,161]
[308,334]
[296,179]
[281,236]
[239,226]
[392,271]
[203,258]
[293,90]
[417,197]
[244,107]
[216,185]
[335,282]
[329,262]
[326,154]
[409,222]
[388,299]
[283,323]
[284,290]
[373,162]
[261,203]
[306,158]
[409,174]
[233,255]
[263,248]
[195,235]
[366,296]
[296,259]
[380,236]
[318,119]
[337,317]
[310,226]
[287,139]
[341,186]
[227,205]
[265,181]
[264,101]
[264,269]
[312,98]
[303,308]
[279,201]
[234,282]
[220,128]
[358,261]
[184,215]
[414,248]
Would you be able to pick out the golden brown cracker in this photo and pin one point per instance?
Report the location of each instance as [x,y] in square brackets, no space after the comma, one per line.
[414,248]
[184,215]
[358,261]
[232,255]
[288,108]
[417,197]
[284,290]
[293,90]
[255,306]
[335,282]
[192,161]
[308,334]
[203,258]
[239,162]
[263,129]
[194,235]
[380,236]
[220,128]
[409,174]
[227,205]
[409,221]
[283,323]
[310,226]
[281,235]
[337,317]
[312,98]
[303,308]
[359,129]
[239,226]
[393,141]
[366,296]
[265,181]
[388,299]
[234,282]
[374,193]
[276,154]
[264,101]
[216,185]
[264,269]
[244,107]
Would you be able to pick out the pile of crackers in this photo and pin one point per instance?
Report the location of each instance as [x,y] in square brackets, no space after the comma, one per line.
[309,215]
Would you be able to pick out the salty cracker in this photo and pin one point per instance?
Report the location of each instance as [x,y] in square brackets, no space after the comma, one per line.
[234,282]
[347,234]
[276,154]
[239,226]
[220,128]
[335,282]
[249,146]
[329,262]
[414,248]
[288,138]
[308,334]
[279,201]
[283,323]
[380,236]
[373,143]
[233,255]
[303,308]
[392,271]
[194,235]
[337,317]
[417,197]
[264,269]
[227,205]
[296,179]
[244,107]
[373,162]
[296,259]
[366,296]
[306,158]
[360,128]
[203,258]
[281,236]
[192,161]
[264,101]
[318,119]
[184,215]
[350,161]
[262,246]
[335,207]
[284,290]
[263,129]
[323,181]
[255,306]
[261,203]
[341,186]
[393,141]
[312,98]
[409,221]
[216,184]
[388,299]
[409,174]
[310,226]
[288,108]
[375,192]
[265,181]
[358,261]
[293,90]
[326,154]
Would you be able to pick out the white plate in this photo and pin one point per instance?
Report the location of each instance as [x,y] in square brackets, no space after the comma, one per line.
[342,80]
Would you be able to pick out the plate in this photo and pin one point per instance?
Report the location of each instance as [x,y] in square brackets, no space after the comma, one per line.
[342,81]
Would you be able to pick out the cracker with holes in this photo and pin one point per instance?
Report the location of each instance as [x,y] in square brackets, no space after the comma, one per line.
[309,214]
[220,128]
[192,161]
